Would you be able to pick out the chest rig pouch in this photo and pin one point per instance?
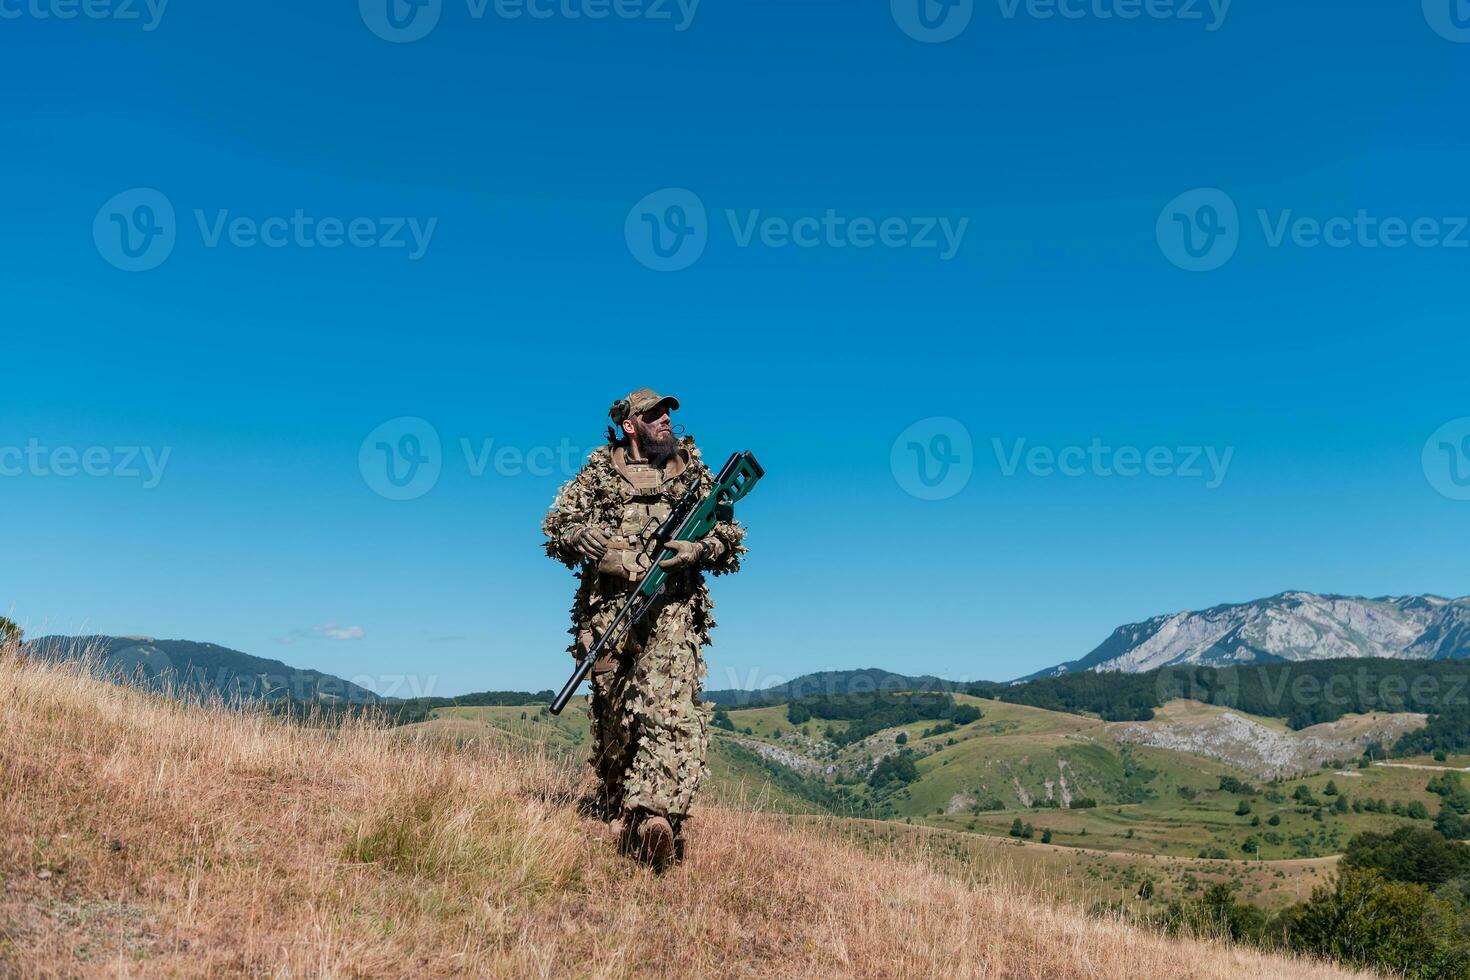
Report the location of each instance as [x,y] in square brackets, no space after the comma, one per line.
[648,497]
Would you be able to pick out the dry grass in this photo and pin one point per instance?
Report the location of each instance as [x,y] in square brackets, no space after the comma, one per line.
[139,836]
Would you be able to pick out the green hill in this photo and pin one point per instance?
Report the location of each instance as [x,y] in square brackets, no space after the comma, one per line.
[188,668]
[830,682]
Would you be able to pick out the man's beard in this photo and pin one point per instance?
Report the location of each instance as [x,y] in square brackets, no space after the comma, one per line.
[657,448]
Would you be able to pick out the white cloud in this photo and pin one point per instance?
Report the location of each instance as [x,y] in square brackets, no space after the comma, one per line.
[324,631]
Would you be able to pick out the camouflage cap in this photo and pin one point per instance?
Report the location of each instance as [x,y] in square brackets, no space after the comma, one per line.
[638,401]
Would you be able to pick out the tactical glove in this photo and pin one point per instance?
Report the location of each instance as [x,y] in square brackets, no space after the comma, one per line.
[687,554]
[589,542]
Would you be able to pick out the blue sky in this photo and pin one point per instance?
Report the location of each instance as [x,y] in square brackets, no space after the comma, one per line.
[1060,152]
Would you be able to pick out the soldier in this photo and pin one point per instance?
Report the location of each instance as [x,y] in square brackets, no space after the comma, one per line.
[650,732]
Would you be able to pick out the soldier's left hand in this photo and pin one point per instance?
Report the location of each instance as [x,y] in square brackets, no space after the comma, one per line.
[687,554]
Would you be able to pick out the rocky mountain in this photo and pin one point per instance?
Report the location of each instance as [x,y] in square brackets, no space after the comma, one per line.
[190,668]
[1292,626]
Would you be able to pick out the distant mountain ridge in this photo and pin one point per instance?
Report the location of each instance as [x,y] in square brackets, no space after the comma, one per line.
[1288,627]
[862,681]
[190,668]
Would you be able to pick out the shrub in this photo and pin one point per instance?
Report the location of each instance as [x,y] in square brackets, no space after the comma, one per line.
[966,713]
[1242,808]
[1451,824]
[1410,854]
[1364,920]
[1230,784]
[1452,790]
[897,768]
[1216,915]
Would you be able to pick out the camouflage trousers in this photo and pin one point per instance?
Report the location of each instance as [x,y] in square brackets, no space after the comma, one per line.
[650,732]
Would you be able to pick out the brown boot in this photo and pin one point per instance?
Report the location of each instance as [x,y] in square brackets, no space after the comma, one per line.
[656,842]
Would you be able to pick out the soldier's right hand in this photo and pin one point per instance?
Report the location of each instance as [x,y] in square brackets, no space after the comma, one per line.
[591,543]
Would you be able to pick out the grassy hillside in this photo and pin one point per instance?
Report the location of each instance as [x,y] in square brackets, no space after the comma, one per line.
[146,837]
[1045,767]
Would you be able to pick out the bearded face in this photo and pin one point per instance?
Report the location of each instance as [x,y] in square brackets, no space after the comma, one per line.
[655,437]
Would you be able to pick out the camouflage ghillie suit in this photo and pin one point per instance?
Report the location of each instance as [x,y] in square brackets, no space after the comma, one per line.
[650,732]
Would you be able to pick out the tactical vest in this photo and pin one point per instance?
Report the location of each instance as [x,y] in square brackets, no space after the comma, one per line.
[648,495]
